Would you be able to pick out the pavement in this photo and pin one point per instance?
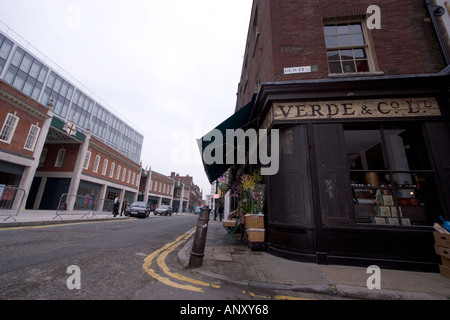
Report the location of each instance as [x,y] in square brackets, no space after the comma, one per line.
[29,218]
[235,263]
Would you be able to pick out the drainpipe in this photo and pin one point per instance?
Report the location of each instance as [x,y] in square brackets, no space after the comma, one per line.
[433,11]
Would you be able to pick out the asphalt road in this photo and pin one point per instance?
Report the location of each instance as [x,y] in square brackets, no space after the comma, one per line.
[133,259]
[34,262]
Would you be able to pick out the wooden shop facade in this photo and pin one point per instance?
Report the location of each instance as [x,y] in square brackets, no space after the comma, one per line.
[364,169]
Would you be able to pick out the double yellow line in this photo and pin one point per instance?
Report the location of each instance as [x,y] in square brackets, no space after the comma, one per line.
[161,254]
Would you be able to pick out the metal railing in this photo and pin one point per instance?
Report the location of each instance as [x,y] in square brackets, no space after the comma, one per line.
[11,200]
[83,205]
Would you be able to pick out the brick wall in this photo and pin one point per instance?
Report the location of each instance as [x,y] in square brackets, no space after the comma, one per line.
[28,112]
[292,35]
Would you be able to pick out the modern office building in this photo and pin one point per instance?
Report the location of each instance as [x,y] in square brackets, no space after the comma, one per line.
[56,136]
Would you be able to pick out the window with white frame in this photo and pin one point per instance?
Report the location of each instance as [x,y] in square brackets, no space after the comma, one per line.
[32,137]
[60,158]
[105,167]
[129,176]
[133,179]
[119,169]
[96,163]
[9,126]
[87,160]
[348,47]
[111,170]
[124,173]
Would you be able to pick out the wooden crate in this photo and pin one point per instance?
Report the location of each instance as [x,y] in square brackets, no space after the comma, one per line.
[256,235]
[229,223]
[254,221]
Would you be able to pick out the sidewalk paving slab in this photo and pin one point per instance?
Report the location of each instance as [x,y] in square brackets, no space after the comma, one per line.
[235,263]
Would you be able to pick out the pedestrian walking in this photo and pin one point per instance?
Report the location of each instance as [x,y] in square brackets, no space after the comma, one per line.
[220,213]
[116,205]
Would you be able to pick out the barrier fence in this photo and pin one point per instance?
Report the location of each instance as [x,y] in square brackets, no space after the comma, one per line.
[84,206]
[11,200]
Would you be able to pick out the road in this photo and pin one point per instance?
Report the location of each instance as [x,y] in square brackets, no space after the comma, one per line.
[131,259]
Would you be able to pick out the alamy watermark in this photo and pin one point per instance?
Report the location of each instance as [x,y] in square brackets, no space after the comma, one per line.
[233,148]
[374,20]
[74,281]
[374,281]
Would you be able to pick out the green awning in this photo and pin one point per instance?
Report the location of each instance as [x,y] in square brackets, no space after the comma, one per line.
[238,120]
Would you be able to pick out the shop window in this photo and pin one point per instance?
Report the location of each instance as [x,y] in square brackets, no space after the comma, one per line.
[391,176]
[348,48]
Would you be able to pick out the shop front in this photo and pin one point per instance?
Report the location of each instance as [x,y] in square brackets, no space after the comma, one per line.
[364,169]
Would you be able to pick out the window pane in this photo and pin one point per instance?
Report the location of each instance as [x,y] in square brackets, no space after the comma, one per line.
[345,40]
[335,67]
[359,53]
[26,63]
[332,42]
[358,39]
[5,49]
[20,80]
[58,84]
[362,66]
[333,55]
[29,86]
[355,28]
[330,30]
[343,29]
[51,80]
[348,66]
[36,91]
[43,74]
[346,54]
[35,68]
[17,59]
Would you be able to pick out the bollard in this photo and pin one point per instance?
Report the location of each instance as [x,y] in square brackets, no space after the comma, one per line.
[198,247]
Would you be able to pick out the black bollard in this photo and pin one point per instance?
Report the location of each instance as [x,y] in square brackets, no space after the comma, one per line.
[198,247]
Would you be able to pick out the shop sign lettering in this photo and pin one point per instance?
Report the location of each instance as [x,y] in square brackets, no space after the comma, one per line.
[387,108]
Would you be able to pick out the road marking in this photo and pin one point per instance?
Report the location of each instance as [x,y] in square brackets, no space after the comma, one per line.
[161,254]
[61,225]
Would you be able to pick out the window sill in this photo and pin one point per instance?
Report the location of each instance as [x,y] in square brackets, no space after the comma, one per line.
[356,74]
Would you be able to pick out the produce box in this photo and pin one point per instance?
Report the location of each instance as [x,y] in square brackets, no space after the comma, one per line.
[382,211]
[385,200]
[254,221]
[442,239]
[256,235]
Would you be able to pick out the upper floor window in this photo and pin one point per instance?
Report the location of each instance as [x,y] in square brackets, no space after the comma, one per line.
[87,160]
[60,158]
[347,47]
[33,134]
[9,127]
[96,164]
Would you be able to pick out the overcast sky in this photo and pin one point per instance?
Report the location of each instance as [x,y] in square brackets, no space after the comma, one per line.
[170,67]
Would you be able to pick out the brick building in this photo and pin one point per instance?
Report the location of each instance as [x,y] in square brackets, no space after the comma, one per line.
[176,191]
[56,137]
[359,97]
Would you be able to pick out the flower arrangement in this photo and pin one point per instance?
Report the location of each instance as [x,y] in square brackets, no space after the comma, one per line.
[252,194]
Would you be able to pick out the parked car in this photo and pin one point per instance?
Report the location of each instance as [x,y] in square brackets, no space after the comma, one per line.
[139,209]
[164,210]
[197,210]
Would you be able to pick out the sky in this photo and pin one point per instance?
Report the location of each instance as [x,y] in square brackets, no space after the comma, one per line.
[170,68]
